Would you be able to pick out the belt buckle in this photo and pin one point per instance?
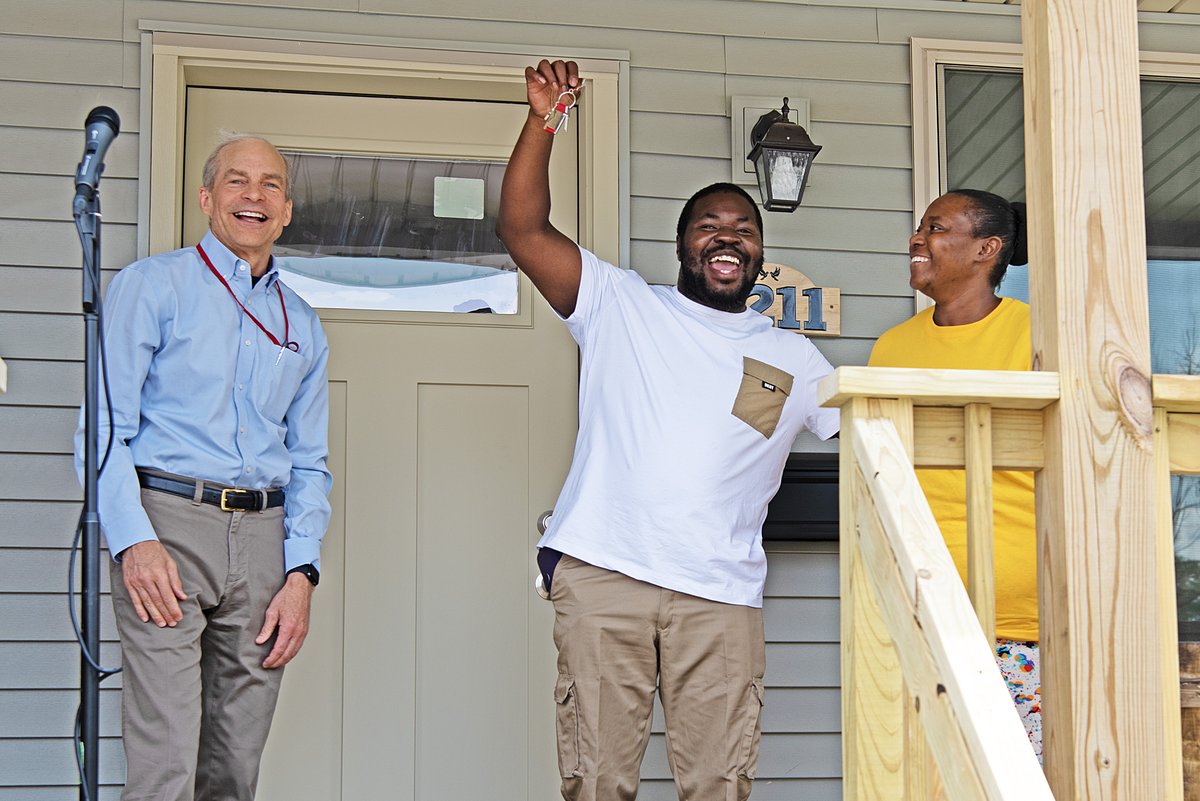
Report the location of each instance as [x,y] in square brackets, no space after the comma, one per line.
[225,507]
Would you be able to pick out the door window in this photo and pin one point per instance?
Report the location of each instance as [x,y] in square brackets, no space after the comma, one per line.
[398,234]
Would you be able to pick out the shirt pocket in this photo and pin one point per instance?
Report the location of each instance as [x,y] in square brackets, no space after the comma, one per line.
[280,382]
[761,396]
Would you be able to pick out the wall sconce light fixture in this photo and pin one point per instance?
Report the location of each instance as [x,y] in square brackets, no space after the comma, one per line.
[782,154]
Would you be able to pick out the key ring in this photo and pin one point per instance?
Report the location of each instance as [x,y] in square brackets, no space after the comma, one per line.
[566,92]
[557,118]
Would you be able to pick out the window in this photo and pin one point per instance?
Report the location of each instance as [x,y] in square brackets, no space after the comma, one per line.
[397,233]
[979,143]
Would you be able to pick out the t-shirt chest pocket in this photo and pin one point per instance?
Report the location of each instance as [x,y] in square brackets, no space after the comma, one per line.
[761,396]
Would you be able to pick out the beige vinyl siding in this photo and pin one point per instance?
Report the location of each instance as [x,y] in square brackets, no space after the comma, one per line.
[850,60]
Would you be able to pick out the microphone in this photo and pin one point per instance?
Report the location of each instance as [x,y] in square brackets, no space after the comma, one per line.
[100,129]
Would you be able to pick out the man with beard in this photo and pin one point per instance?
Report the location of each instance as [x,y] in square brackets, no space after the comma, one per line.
[688,407]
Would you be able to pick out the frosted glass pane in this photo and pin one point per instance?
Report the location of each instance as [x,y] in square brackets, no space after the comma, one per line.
[396,234]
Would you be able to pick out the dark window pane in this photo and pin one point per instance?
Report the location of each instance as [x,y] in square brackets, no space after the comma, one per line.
[985,149]
[985,132]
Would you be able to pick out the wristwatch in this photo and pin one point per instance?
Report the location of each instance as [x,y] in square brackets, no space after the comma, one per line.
[310,573]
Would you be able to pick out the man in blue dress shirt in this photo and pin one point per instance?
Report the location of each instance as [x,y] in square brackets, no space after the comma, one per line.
[214,498]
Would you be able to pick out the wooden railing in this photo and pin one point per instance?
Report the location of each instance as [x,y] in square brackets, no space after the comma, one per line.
[925,712]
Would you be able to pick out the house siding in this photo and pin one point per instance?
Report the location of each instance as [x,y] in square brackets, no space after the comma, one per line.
[59,59]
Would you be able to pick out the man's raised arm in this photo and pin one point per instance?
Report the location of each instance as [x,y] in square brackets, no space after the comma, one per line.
[541,251]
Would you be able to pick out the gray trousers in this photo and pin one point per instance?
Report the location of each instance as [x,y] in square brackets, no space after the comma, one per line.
[197,703]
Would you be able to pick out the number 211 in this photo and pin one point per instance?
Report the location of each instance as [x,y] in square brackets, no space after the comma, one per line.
[765,296]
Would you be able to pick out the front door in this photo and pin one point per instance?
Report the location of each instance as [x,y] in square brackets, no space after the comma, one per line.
[429,670]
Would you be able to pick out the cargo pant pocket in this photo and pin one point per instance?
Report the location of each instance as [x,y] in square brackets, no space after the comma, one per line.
[751,736]
[567,725]
[761,396]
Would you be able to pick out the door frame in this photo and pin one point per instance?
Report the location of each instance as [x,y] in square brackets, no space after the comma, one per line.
[177,55]
[173,61]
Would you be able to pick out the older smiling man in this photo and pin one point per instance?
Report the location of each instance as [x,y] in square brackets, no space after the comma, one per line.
[214,497]
[688,407]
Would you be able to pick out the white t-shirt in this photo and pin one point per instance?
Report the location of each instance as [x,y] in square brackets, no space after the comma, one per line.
[667,485]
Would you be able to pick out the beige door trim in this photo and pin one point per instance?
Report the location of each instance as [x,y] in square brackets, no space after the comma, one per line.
[174,61]
[454,440]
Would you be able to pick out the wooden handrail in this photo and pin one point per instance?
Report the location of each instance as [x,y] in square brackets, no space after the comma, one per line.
[940,441]
[1003,389]
[975,735]
[1177,393]
[940,419]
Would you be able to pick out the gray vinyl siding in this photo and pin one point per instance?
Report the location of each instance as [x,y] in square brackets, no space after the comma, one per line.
[49,78]
[59,59]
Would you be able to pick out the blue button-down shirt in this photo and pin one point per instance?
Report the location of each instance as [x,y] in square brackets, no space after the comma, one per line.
[199,390]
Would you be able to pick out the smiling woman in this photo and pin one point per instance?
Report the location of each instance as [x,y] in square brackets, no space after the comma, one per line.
[960,251]
[958,255]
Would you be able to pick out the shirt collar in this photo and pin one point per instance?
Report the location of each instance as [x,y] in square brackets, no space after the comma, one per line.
[227,262]
[700,310]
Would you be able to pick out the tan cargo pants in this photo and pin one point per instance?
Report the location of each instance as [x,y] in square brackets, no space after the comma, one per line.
[618,640]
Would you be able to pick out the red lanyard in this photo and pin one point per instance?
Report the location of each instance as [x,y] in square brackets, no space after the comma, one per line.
[287,343]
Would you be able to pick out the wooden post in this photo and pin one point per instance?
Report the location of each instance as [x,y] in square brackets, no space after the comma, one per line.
[1102,679]
[880,763]
[873,695]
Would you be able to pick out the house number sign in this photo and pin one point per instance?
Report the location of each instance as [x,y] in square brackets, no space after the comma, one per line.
[795,303]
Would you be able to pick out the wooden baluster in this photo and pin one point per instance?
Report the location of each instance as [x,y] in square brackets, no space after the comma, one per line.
[981,563]
[1164,525]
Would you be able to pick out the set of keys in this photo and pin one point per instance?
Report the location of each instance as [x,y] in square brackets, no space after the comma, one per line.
[560,115]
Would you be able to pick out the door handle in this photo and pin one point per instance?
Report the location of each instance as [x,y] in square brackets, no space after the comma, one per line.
[539,582]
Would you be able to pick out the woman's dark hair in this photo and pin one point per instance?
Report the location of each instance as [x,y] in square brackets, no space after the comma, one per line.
[992,215]
[685,216]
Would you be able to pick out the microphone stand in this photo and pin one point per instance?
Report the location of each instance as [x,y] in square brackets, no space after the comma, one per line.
[87,219]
